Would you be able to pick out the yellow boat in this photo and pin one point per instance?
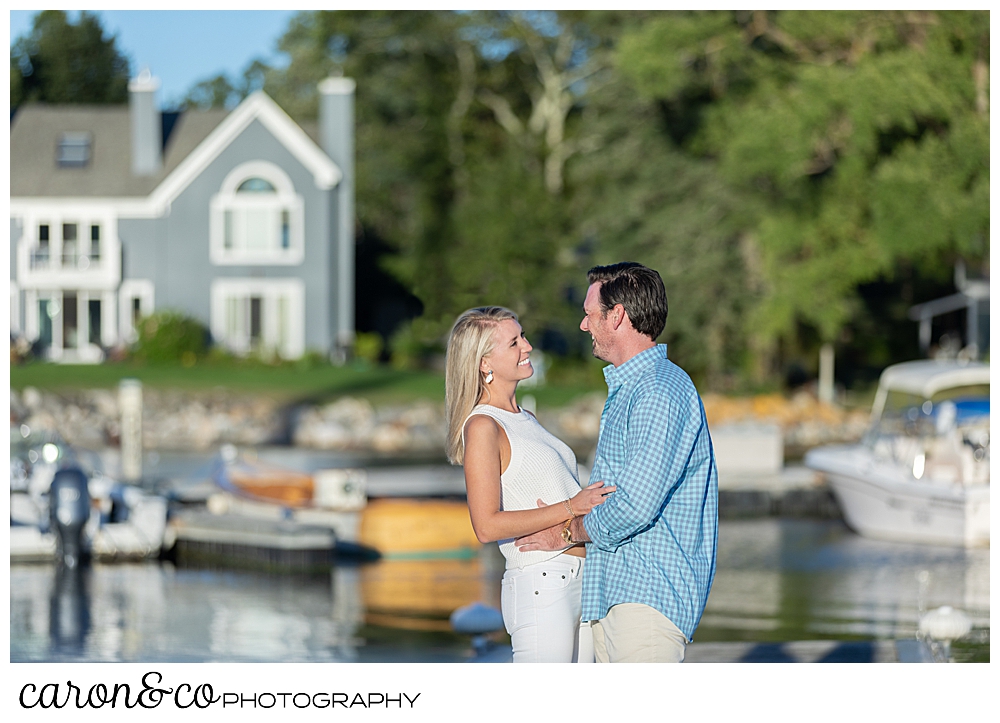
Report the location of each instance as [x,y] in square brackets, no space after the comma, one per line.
[410,528]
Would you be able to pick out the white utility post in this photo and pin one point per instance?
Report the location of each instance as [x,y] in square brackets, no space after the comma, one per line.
[826,373]
[130,405]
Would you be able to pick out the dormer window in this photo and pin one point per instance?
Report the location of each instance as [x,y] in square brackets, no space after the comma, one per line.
[73,150]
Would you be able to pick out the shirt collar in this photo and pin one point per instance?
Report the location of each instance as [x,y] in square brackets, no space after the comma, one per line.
[634,367]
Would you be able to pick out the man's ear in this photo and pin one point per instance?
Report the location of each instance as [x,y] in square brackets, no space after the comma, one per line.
[618,316]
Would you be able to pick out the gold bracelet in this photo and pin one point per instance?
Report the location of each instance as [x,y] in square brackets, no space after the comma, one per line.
[569,508]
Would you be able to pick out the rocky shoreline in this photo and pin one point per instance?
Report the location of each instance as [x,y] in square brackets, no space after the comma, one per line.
[197,421]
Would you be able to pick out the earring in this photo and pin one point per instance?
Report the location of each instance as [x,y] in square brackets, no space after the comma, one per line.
[489,377]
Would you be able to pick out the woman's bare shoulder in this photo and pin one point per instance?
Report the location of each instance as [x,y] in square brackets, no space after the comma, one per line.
[481,424]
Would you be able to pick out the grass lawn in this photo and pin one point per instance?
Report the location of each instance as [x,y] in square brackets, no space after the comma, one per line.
[381,385]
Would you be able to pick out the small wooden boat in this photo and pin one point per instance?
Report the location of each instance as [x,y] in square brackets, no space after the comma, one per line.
[400,528]
[408,528]
[327,489]
[287,487]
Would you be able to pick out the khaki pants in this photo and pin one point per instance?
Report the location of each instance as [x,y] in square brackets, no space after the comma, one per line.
[636,633]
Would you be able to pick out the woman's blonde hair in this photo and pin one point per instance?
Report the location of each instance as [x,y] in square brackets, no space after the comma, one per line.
[471,338]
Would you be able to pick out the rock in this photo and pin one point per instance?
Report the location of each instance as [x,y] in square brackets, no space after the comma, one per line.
[392,437]
[32,398]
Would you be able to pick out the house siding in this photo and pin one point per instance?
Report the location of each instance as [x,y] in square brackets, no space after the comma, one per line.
[173,251]
[17,314]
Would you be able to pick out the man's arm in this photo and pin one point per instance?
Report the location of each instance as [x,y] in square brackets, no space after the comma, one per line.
[551,537]
[661,435]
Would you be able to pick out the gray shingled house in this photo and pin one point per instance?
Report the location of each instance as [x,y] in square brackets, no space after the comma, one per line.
[242,219]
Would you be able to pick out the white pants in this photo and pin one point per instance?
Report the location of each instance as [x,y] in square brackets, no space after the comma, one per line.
[541,611]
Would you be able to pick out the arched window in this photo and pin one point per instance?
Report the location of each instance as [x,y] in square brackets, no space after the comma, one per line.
[256,185]
[257,217]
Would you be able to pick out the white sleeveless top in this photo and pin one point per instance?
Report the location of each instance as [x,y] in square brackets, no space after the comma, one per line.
[541,467]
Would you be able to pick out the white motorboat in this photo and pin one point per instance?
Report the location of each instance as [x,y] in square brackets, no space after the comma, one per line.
[922,471]
[120,521]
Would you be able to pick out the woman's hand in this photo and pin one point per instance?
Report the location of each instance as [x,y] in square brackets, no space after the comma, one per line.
[589,497]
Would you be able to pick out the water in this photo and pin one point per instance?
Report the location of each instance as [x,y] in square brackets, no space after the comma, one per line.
[777,580]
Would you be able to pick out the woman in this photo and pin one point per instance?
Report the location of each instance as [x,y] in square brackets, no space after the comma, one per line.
[519,479]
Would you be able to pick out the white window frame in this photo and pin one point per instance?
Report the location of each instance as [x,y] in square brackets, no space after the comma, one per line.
[141,289]
[82,273]
[284,199]
[270,291]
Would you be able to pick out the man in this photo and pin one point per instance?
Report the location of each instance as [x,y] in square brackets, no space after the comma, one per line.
[651,546]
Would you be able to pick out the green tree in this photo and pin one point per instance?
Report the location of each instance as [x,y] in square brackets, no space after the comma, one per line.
[640,198]
[64,62]
[406,66]
[862,138]
[222,92]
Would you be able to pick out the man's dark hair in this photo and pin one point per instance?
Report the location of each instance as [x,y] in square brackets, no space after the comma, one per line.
[636,287]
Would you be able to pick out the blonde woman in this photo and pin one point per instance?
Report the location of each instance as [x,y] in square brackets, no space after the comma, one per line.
[519,479]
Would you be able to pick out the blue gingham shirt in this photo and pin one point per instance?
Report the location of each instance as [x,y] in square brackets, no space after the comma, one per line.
[654,539]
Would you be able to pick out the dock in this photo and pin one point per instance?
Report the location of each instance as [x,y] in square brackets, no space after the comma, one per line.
[792,491]
[798,651]
[812,651]
[253,543]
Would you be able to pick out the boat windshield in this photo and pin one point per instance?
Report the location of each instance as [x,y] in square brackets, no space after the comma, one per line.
[907,413]
[910,425]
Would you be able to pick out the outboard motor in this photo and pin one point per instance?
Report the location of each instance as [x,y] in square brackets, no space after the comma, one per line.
[69,510]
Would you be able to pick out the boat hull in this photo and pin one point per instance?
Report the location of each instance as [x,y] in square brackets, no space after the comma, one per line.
[877,504]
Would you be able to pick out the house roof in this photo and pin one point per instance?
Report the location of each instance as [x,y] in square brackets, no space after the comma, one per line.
[192,139]
[36,128]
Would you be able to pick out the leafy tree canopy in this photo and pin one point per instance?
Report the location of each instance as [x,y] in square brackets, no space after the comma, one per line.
[64,62]
[862,136]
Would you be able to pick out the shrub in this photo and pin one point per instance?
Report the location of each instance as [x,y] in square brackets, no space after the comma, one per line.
[170,337]
[312,359]
[368,346]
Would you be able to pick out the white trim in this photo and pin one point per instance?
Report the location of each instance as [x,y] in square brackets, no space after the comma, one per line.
[119,207]
[269,205]
[227,291]
[142,289]
[15,308]
[257,106]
